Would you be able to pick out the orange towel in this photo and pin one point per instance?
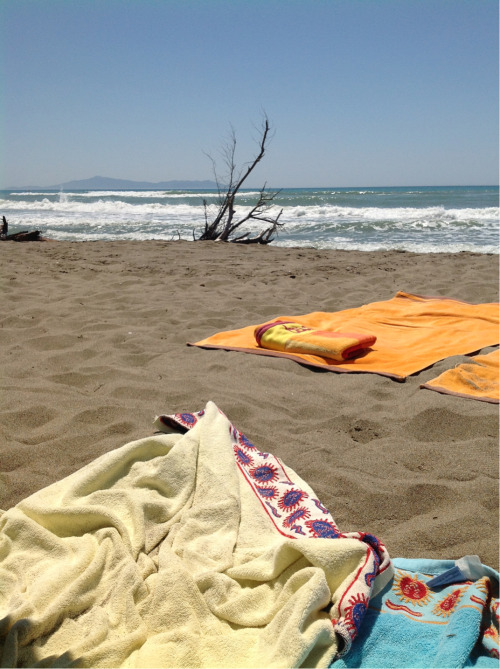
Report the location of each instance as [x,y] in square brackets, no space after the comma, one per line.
[296,338]
[477,380]
[412,333]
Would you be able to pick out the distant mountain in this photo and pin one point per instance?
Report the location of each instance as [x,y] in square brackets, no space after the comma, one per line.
[108,183]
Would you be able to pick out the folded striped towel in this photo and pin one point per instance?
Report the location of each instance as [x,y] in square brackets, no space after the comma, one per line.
[292,337]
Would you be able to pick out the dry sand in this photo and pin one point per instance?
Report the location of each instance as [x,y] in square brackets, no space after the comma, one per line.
[93,341]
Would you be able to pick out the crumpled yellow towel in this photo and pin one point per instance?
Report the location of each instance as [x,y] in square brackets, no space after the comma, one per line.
[477,380]
[181,550]
[412,331]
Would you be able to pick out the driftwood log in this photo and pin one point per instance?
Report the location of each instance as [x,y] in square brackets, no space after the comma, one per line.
[23,236]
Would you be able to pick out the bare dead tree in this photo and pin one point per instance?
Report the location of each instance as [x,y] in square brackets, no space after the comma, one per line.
[225,222]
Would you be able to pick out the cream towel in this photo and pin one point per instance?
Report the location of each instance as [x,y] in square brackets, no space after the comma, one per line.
[181,550]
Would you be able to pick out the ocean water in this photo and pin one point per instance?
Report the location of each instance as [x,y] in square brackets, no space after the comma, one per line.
[420,219]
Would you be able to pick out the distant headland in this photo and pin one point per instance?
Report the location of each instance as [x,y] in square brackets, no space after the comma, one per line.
[108,183]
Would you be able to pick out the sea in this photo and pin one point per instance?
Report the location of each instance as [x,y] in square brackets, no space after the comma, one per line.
[419,219]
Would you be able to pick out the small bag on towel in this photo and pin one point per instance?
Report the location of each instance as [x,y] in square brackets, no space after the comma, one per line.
[291,337]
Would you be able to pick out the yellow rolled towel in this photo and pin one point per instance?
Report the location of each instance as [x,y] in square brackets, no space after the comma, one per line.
[292,337]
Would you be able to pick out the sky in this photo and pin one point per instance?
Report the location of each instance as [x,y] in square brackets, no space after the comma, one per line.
[358,92]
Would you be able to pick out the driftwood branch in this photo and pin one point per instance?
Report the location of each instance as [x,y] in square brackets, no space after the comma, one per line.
[23,236]
[225,222]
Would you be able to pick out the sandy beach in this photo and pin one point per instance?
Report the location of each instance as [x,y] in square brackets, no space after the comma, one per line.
[93,340]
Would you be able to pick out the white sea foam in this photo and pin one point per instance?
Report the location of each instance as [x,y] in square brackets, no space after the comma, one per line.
[314,213]
[396,214]
[156,194]
[413,247]
[138,194]
[413,219]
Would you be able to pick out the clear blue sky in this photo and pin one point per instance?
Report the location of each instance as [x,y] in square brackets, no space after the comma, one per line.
[360,92]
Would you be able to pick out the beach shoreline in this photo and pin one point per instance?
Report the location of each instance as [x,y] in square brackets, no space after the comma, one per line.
[94,341]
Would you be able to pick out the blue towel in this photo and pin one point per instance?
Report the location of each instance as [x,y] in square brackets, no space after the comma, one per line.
[409,624]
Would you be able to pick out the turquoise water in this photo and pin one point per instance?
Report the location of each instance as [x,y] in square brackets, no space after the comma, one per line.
[421,219]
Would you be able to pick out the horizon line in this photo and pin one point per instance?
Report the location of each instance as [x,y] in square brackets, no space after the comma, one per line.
[445,185]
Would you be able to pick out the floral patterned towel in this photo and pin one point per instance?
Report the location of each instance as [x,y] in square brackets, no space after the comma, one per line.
[287,502]
[409,624]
